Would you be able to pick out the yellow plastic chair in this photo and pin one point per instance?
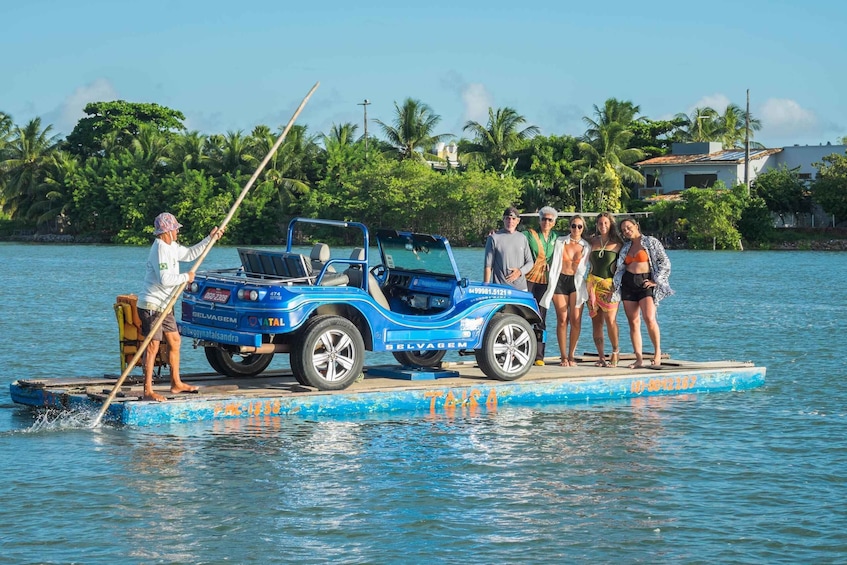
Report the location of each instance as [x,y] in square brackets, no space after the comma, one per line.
[129,333]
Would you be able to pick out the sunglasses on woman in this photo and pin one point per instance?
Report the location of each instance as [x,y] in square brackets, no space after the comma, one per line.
[577,226]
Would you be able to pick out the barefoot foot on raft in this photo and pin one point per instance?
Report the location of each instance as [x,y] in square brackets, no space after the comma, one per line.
[153,396]
[182,387]
[614,361]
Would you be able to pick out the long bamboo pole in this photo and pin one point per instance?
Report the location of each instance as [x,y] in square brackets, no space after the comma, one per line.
[178,290]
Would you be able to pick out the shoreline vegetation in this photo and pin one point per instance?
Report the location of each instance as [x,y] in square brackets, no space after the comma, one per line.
[126,162]
[786,239]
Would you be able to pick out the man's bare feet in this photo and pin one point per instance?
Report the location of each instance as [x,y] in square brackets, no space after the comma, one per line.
[153,396]
[637,365]
[182,387]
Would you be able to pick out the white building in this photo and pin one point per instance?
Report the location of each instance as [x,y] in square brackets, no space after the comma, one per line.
[701,165]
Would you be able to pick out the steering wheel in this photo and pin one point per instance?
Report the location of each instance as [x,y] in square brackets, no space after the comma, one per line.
[378,271]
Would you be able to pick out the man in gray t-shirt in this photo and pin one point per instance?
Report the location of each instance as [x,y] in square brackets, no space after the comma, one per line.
[507,254]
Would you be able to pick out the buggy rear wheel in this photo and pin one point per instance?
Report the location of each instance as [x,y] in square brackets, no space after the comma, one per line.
[330,353]
[237,364]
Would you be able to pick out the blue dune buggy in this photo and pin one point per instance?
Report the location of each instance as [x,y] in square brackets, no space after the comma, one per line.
[326,312]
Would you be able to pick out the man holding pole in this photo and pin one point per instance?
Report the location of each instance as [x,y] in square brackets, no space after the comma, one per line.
[161,280]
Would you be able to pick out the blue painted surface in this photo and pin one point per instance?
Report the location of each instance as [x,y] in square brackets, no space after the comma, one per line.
[411,373]
[437,398]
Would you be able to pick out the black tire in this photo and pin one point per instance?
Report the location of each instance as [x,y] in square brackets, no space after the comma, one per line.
[419,358]
[213,358]
[329,353]
[237,364]
[508,348]
[295,370]
[295,361]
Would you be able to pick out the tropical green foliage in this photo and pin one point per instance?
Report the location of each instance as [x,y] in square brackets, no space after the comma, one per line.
[125,163]
[654,137]
[830,188]
[124,119]
[756,223]
[496,143]
[733,127]
[782,190]
[26,156]
[707,124]
[410,195]
[412,132]
[712,215]
[608,154]
[553,174]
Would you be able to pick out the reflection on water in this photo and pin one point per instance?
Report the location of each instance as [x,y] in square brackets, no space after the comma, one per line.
[731,477]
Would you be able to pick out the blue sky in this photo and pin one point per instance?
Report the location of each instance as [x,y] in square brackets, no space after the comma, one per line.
[230,66]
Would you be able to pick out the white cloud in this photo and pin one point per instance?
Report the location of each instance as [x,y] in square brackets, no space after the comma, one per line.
[71,110]
[717,102]
[784,117]
[477,101]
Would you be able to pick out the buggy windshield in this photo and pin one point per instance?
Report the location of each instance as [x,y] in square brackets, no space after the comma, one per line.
[415,252]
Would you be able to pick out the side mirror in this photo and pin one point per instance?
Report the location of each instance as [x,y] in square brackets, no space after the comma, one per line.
[463,282]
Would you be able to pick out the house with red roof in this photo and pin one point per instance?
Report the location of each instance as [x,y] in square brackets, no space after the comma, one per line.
[701,165]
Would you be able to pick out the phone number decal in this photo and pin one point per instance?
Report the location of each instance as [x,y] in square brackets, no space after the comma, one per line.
[663,384]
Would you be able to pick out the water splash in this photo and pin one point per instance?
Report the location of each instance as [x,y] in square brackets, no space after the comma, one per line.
[55,420]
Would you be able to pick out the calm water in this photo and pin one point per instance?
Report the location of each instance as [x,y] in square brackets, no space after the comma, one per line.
[747,477]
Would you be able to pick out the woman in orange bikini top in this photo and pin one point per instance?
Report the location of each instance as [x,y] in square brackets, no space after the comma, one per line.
[640,257]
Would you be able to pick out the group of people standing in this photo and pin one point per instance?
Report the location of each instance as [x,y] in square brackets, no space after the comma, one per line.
[572,270]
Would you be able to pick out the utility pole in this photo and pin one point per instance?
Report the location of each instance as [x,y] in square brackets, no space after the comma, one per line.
[365,105]
[747,145]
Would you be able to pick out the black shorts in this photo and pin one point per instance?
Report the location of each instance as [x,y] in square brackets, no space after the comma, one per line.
[148,318]
[565,285]
[632,287]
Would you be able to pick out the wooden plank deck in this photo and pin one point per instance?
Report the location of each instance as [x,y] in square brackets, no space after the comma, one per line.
[277,394]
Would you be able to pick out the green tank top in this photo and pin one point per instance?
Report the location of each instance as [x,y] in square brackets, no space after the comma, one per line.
[601,266]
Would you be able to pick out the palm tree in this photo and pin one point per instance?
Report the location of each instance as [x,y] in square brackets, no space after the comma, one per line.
[622,112]
[340,135]
[149,148]
[24,165]
[341,150]
[235,153]
[297,157]
[734,128]
[607,153]
[5,133]
[290,169]
[58,190]
[5,129]
[414,123]
[703,124]
[500,138]
[188,151]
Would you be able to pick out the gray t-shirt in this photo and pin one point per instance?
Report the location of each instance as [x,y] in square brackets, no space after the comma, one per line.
[505,251]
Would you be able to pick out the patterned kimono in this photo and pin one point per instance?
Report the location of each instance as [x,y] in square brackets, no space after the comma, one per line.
[660,268]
